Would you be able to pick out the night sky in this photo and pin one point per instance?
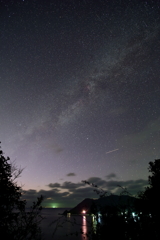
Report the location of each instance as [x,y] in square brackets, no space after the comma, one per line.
[80,94]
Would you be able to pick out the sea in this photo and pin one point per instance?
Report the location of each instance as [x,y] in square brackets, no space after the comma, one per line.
[56,226]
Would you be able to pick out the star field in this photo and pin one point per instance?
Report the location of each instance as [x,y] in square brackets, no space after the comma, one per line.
[80,93]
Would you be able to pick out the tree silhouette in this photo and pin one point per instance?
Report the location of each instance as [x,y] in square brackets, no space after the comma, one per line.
[145,224]
[15,222]
[151,195]
[148,203]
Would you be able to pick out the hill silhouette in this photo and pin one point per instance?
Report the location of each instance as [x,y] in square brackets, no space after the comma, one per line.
[108,201]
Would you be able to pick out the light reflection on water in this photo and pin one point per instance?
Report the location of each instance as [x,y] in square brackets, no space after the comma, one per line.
[94,223]
[69,225]
[84,226]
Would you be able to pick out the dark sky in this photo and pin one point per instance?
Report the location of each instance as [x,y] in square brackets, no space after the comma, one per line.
[80,94]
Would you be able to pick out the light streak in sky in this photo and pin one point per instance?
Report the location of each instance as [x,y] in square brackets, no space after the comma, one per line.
[112,151]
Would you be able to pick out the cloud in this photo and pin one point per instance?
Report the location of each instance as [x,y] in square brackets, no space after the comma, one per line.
[132,186]
[71,174]
[70,186]
[65,185]
[69,194]
[111,175]
[53,185]
[97,181]
[116,186]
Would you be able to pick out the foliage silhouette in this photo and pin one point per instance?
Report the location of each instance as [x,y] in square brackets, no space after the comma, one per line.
[149,200]
[126,221]
[115,216]
[15,222]
[118,222]
[151,194]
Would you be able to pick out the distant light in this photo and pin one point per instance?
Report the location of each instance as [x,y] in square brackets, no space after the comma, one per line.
[84,211]
[133,214]
[54,205]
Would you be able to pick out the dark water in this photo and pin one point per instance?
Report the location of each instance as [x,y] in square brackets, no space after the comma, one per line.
[64,225]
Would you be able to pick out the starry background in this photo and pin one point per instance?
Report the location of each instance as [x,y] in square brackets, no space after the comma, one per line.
[80,94]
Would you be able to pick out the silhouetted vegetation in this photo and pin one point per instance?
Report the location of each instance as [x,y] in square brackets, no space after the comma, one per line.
[114,217]
[16,223]
[123,216]
[149,203]
[138,219]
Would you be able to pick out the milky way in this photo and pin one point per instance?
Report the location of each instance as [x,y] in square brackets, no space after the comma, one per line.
[79,84]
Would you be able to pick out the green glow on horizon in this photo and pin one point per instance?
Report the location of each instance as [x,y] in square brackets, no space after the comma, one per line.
[55,205]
